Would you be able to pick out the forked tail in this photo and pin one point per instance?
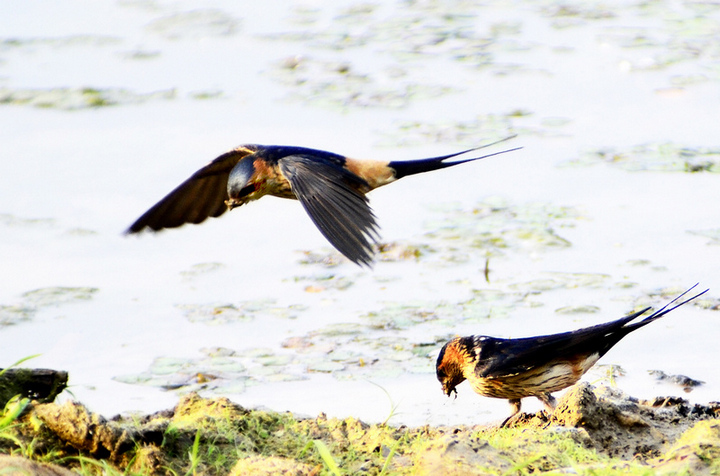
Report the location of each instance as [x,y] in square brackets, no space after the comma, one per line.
[412,167]
[666,308]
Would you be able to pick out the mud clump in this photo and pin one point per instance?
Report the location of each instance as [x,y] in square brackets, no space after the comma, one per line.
[608,427]
[589,430]
[90,432]
[621,426]
[459,455]
[697,451]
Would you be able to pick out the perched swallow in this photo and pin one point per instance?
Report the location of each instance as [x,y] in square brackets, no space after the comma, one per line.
[329,186]
[534,366]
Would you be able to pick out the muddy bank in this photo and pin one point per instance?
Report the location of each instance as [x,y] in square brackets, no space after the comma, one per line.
[593,430]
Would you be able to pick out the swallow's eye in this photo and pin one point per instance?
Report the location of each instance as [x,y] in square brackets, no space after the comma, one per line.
[246,191]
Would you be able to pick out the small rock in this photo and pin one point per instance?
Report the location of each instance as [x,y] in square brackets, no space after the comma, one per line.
[683,381]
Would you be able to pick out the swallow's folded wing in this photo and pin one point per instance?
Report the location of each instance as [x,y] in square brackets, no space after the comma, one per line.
[504,357]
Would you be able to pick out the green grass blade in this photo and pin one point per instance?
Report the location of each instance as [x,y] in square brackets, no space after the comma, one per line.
[19,362]
[13,409]
[193,455]
[389,458]
[327,457]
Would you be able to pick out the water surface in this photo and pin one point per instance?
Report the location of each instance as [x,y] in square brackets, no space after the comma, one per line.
[609,206]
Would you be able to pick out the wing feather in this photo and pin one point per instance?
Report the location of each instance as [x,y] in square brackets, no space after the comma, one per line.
[503,357]
[201,196]
[332,196]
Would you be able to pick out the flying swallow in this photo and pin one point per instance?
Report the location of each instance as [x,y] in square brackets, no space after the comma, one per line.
[534,366]
[331,188]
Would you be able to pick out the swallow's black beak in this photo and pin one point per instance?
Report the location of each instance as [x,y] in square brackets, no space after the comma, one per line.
[448,390]
[238,199]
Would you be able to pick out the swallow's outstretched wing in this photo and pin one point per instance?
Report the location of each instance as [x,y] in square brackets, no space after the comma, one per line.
[201,196]
[335,199]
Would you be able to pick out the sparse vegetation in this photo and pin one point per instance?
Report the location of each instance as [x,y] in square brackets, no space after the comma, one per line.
[203,436]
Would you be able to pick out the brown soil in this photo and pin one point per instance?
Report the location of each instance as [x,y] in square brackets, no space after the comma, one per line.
[667,434]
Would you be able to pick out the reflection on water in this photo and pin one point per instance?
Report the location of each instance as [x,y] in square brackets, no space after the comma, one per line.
[106,107]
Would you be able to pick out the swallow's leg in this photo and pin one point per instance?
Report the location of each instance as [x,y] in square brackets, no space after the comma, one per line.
[549,401]
[514,412]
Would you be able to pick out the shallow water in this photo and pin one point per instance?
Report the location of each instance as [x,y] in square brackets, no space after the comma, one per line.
[107,107]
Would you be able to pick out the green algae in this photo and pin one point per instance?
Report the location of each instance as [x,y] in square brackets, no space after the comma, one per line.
[495,227]
[200,269]
[78,98]
[13,314]
[70,41]
[662,157]
[457,234]
[658,297]
[212,376]
[218,314]
[713,234]
[403,38]
[322,282]
[375,347]
[56,295]
[12,220]
[399,337]
[37,299]
[339,85]
[194,24]
[407,37]
[582,309]
[375,343]
[488,126]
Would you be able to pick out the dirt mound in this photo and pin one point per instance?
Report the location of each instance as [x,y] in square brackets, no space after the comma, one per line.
[590,428]
[621,426]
